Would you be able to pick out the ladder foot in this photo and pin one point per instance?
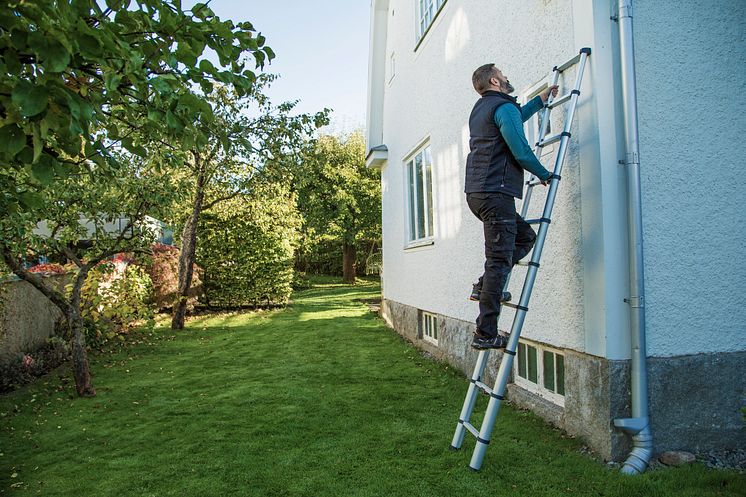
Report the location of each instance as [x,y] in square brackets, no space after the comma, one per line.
[455,448]
[473,469]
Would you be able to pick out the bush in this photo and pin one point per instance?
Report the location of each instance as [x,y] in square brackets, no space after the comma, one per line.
[163,269]
[246,248]
[116,295]
[27,366]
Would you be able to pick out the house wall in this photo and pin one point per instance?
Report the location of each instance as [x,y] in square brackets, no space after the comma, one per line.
[691,63]
[578,299]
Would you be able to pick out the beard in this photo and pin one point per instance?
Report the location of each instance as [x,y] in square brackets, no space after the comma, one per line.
[508,88]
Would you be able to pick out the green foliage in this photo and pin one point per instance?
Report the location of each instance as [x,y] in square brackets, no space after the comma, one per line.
[115,297]
[246,247]
[77,77]
[340,200]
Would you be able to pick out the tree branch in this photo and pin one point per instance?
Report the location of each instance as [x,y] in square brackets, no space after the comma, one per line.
[37,281]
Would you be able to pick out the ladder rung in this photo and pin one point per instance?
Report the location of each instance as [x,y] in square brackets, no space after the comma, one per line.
[532,184]
[553,138]
[521,263]
[483,387]
[569,63]
[559,101]
[537,221]
[472,429]
[514,306]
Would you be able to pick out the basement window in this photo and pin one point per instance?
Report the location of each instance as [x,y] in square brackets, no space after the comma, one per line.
[429,327]
[541,370]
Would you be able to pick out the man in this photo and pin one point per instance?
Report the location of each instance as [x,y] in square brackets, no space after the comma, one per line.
[499,153]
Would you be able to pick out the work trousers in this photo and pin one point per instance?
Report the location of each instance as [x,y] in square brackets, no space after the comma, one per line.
[507,239]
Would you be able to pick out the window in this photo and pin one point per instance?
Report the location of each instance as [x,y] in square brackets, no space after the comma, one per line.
[420,195]
[542,371]
[427,12]
[429,327]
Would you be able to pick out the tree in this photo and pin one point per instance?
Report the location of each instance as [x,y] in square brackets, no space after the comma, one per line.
[339,197]
[241,147]
[79,80]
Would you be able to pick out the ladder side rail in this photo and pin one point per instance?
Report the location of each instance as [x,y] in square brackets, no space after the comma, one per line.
[470,401]
[543,126]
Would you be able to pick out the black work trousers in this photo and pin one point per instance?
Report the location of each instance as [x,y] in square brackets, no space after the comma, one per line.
[507,239]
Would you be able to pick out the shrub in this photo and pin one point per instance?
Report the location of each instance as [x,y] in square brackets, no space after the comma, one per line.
[246,248]
[115,296]
[163,269]
[26,366]
[47,269]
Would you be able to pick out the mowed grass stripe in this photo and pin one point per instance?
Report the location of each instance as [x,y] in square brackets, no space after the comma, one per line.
[320,399]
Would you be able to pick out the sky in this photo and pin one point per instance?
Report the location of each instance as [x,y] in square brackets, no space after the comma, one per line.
[322,52]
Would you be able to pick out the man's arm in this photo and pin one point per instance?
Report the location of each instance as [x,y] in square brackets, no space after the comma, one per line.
[508,119]
[532,107]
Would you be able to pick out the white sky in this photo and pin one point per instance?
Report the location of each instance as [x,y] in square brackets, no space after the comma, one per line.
[322,52]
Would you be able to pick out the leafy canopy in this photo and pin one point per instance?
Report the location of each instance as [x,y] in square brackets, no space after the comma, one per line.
[80,77]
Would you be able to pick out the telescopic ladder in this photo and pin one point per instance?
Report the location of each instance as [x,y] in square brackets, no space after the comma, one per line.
[497,392]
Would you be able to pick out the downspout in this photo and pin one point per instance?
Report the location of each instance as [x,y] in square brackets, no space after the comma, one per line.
[639,424]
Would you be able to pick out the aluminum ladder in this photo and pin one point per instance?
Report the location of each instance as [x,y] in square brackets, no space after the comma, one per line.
[497,393]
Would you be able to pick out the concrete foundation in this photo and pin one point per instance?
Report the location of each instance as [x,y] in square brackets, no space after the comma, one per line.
[695,401]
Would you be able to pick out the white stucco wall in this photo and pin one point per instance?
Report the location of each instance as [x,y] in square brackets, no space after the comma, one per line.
[691,79]
[431,96]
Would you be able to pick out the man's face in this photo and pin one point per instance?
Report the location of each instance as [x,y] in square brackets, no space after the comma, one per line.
[503,82]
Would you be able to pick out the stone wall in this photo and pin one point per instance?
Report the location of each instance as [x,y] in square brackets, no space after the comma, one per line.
[695,401]
[27,318]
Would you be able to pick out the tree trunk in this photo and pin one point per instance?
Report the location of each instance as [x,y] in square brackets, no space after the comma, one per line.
[71,311]
[348,262]
[187,255]
[81,368]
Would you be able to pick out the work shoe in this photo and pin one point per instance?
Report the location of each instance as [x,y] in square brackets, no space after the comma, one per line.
[476,292]
[481,342]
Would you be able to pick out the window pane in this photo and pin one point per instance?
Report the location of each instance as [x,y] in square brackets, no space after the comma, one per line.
[412,223]
[435,328]
[560,374]
[420,200]
[429,188]
[521,360]
[549,371]
[532,365]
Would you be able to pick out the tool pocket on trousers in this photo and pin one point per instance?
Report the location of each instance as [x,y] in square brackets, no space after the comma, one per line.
[500,239]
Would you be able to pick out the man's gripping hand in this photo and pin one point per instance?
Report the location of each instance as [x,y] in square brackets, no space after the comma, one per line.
[545,94]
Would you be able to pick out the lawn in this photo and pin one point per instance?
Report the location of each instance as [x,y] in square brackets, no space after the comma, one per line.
[320,399]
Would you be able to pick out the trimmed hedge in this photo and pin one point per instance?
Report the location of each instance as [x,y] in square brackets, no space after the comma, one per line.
[245,248]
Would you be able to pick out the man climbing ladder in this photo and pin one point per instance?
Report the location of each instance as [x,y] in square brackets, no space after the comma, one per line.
[494,178]
[498,155]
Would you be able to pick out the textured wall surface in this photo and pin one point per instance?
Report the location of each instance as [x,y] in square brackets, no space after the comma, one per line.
[26,319]
[691,79]
[429,98]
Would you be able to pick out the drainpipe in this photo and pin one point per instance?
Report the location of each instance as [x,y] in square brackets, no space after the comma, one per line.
[639,424]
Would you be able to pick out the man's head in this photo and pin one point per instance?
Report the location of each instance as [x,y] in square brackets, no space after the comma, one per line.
[489,77]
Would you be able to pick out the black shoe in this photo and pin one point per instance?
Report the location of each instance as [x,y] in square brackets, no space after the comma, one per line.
[481,342]
[476,292]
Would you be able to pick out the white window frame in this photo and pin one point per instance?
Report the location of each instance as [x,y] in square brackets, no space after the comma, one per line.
[539,388]
[429,327]
[413,186]
[427,11]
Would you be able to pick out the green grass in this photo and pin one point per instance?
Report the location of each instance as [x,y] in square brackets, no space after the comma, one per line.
[318,400]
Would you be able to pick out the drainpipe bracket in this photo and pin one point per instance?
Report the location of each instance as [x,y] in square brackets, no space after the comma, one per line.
[633,426]
[635,302]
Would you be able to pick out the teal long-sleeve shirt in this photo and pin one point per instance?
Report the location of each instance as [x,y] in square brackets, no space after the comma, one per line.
[510,122]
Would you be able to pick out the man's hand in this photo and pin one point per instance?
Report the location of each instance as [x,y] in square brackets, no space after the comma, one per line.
[545,182]
[545,94]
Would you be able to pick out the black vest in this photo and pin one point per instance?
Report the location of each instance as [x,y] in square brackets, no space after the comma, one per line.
[490,166]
